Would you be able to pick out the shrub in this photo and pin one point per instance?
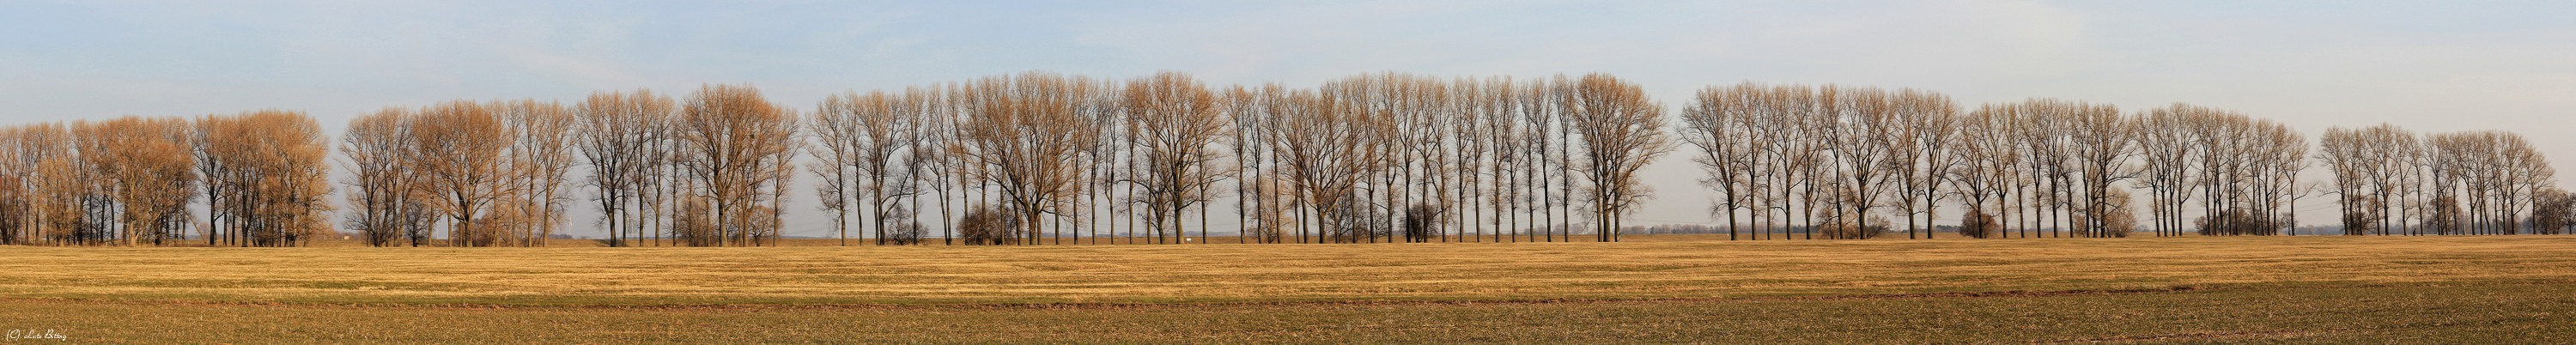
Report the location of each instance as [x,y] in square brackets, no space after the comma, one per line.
[1977,224]
[987,225]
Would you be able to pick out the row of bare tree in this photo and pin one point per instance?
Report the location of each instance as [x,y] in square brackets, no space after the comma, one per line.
[2391,181]
[491,171]
[1819,161]
[133,180]
[1049,158]
[1024,159]
[710,170]
[1040,157]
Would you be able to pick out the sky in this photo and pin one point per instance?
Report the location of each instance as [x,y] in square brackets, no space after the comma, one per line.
[2430,66]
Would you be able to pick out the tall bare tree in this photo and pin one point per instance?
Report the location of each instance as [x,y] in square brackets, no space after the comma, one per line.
[734,148]
[1174,123]
[1622,131]
[1503,138]
[146,173]
[463,167]
[1927,131]
[1025,135]
[23,151]
[864,156]
[271,167]
[542,158]
[383,179]
[1327,149]
[2102,141]
[63,192]
[616,134]
[2165,148]
[1988,171]
[1864,140]
[1718,123]
[1253,199]
[2248,173]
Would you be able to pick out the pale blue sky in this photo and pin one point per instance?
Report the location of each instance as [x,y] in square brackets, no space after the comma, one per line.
[2431,66]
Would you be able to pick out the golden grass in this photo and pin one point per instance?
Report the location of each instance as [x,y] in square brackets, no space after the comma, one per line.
[1260,273]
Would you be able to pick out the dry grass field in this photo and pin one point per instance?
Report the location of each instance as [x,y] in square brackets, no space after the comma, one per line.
[1658,289]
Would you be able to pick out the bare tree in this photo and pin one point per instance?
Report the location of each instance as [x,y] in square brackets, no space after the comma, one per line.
[1326,149]
[1988,171]
[864,157]
[1538,105]
[2043,131]
[2495,174]
[1244,106]
[1025,135]
[616,135]
[271,166]
[2526,173]
[2282,154]
[2347,154]
[1862,136]
[1503,137]
[734,151]
[146,175]
[2102,141]
[927,162]
[2249,171]
[65,193]
[465,145]
[1174,123]
[1622,131]
[377,152]
[23,149]
[1927,128]
[541,157]
[2165,147]
[937,165]
[2553,211]
[1784,124]
[1718,123]
[2391,173]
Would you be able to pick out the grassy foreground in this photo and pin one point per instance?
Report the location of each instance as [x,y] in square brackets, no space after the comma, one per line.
[2299,289]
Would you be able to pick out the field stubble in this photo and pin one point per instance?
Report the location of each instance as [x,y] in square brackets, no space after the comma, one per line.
[1953,290]
[1256,273]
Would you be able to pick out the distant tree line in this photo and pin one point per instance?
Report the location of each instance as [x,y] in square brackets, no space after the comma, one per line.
[1045,158]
